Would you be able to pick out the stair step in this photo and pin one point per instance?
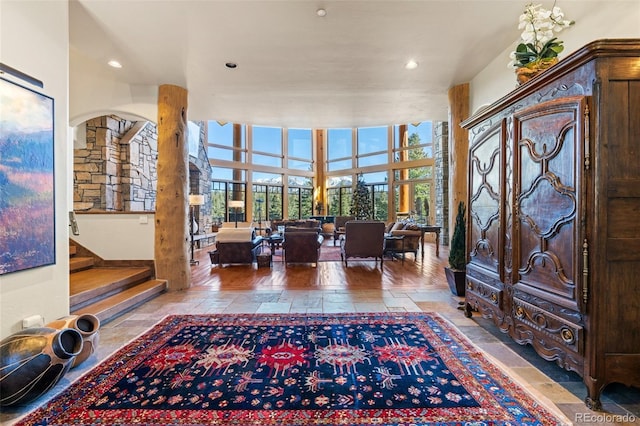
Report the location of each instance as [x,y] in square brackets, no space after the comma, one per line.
[73,250]
[100,282]
[117,304]
[79,263]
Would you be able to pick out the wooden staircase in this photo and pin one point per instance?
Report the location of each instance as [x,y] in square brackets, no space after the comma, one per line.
[108,289]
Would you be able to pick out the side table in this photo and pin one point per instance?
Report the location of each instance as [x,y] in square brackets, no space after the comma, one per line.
[429,228]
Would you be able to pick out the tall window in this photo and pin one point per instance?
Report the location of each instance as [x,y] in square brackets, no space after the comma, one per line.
[379,190]
[419,143]
[267,146]
[224,188]
[339,149]
[300,149]
[220,143]
[339,193]
[268,187]
[373,145]
[300,202]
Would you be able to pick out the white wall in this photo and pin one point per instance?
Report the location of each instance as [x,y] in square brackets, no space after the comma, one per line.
[95,91]
[34,38]
[117,236]
[614,19]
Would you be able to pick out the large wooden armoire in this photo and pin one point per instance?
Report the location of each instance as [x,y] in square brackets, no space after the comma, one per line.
[554,214]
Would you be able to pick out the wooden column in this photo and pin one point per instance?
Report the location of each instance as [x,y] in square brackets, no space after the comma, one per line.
[403,189]
[321,177]
[172,204]
[458,150]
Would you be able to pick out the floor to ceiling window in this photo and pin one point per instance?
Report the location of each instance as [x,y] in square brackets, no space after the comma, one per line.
[281,166]
[379,193]
[267,196]
[339,193]
[413,171]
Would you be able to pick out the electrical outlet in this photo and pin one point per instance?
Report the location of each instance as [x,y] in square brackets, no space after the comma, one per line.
[33,321]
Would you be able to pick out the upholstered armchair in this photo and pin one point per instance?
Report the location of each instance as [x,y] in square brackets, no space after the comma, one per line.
[302,247]
[363,239]
[235,245]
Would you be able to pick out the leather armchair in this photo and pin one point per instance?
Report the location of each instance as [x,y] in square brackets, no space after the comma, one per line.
[363,239]
[302,247]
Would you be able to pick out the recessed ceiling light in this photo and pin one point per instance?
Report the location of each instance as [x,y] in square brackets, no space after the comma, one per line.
[115,64]
[411,65]
[231,65]
[321,12]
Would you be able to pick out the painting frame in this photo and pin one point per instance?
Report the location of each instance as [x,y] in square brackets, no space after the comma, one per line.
[27,178]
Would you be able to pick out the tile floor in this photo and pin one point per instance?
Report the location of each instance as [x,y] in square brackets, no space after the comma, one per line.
[562,390]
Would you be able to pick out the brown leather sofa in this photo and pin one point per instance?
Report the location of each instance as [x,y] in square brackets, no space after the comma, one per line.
[409,244]
[296,224]
[302,247]
[240,246]
[363,238]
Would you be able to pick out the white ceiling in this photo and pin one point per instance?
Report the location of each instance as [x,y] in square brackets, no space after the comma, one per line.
[296,69]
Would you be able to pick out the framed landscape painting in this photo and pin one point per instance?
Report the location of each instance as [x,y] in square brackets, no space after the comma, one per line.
[27,216]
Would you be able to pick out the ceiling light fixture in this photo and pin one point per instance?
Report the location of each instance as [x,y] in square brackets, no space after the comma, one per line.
[411,65]
[321,12]
[231,65]
[115,64]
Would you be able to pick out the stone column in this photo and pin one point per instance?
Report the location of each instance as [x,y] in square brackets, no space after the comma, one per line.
[172,204]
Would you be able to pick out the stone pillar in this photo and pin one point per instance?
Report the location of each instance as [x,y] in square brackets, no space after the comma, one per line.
[441,173]
[172,204]
[458,149]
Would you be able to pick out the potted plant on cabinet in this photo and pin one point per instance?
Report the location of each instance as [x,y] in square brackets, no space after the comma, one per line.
[456,271]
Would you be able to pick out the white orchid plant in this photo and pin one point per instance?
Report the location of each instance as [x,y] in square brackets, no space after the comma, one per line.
[538,42]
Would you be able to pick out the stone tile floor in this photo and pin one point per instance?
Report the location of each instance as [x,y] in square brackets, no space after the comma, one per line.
[561,390]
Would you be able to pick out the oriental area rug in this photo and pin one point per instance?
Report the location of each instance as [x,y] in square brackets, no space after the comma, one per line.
[290,369]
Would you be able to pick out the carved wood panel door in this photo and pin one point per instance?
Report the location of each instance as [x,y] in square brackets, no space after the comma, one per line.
[486,164]
[549,158]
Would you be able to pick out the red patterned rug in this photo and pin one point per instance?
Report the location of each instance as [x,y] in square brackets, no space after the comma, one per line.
[288,369]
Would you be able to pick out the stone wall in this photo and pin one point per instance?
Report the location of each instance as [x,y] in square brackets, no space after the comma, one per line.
[140,172]
[441,160]
[115,168]
[200,182]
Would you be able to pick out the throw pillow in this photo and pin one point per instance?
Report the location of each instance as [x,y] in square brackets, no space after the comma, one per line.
[397,226]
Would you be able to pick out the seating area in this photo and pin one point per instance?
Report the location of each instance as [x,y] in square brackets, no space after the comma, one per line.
[301,241]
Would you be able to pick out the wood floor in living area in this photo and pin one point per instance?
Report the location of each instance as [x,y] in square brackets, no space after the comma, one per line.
[413,285]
